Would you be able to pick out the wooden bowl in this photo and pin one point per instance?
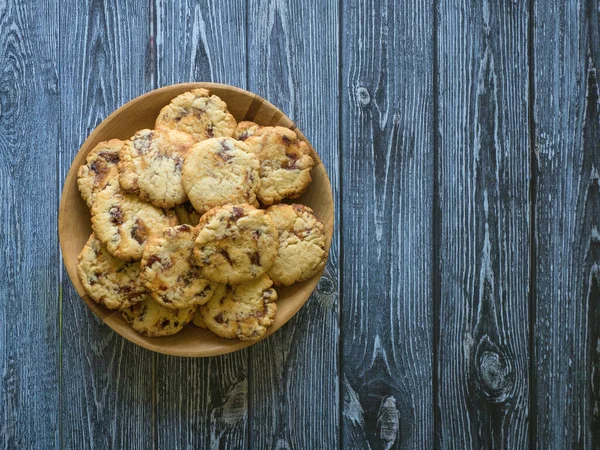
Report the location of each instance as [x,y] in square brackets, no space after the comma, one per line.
[74,225]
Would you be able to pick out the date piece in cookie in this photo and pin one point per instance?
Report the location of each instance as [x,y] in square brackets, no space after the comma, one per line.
[123,222]
[107,280]
[199,114]
[168,272]
[243,311]
[220,171]
[100,170]
[285,163]
[301,251]
[152,319]
[150,165]
[235,243]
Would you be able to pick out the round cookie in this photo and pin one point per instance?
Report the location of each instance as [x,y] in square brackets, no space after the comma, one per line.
[235,244]
[220,171]
[199,114]
[187,214]
[100,170]
[301,251]
[107,280]
[167,271]
[245,129]
[285,163]
[243,311]
[152,319]
[123,222]
[150,166]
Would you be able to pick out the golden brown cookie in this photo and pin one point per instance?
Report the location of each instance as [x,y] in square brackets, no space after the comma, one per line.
[168,272]
[199,114]
[245,129]
[187,214]
[285,163]
[301,251]
[150,165]
[152,319]
[123,222]
[243,311]
[198,320]
[100,170]
[107,280]
[235,243]
[220,171]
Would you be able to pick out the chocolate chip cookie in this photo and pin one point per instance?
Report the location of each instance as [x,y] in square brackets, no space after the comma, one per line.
[123,222]
[243,311]
[199,114]
[107,280]
[152,319]
[301,250]
[168,272]
[285,163]
[150,165]
[235,243]
[220,171]
[100,170]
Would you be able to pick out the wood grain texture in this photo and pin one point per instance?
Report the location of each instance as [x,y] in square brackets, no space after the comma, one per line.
[201,403]
[483,170]
[106,381]
[566,43]
[387,193]
[293,380]
[29,333]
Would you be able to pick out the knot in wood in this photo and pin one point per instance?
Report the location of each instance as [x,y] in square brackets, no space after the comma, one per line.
[493,374]
[363,96]
[326,286]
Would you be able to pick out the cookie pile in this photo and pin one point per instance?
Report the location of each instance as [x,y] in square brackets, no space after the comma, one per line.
[179,235]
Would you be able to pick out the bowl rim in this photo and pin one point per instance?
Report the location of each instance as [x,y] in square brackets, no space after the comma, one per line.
[109,317]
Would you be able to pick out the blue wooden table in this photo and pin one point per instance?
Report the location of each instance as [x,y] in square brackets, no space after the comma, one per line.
[460,307]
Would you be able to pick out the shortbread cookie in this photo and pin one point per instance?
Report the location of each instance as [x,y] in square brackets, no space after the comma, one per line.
[100,170]
[150,166]
[167,270]
[152,319]
[123,222]
[235,243]
[199,114]
[107,280]
[301,251]
[244,311]
[245,129]
[285,163]
[220,171]
[187,214]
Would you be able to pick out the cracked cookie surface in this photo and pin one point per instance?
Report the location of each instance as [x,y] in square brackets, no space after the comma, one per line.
[285,163]
[199,114]
[244,311]
[151,163]
[245,129]
[109,281]
[301,249]
[123,222]
[235,243]
[100,170]
[220,171]
[167,270]
[152,319]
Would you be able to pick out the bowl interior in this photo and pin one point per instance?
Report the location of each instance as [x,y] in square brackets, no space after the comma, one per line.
[75,225]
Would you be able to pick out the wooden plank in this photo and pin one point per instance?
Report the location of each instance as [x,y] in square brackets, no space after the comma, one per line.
[29,334]
[483,170]
[293,376]
[567,222]
[106,381]
[201,403]
[387,192]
